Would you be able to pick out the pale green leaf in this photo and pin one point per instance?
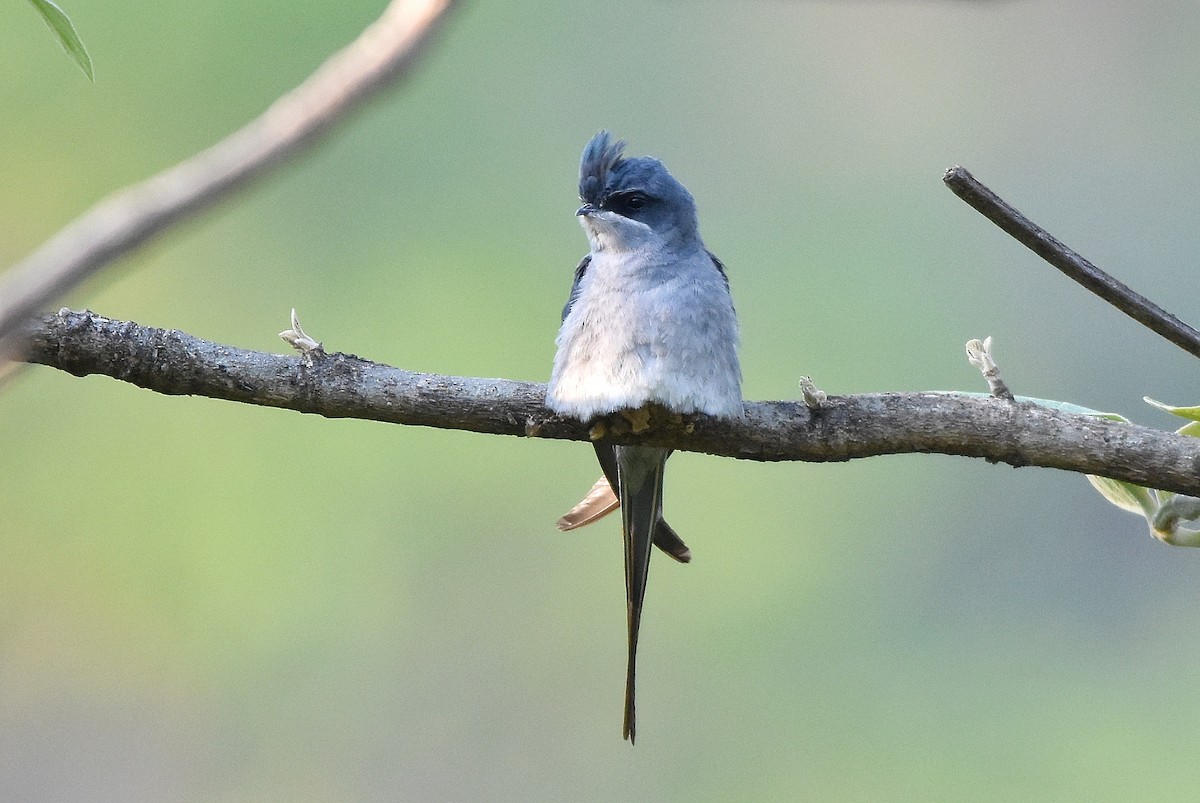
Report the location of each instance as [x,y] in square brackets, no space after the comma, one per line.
[61,25]
[1053,404]
[1180,536]
[1191,428]
[1068,407]
[1126,495]
[1192,413]
[1166,523]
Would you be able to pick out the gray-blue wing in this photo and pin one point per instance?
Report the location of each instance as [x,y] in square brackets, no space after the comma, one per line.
[720,266]
[580,269]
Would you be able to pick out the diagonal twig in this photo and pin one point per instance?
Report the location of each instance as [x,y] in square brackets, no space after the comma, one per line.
[116,225]
[1045,245]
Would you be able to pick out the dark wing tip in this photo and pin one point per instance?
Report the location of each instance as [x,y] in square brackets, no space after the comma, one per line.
[666,539]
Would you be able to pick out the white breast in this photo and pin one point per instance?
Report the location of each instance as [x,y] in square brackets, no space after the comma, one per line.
[646,330]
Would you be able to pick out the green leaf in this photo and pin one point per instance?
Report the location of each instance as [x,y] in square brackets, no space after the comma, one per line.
[1166,523]
[60,23]
[1053,404]
[1191,413]
[1068,407]
[1180,536]
[1126,495]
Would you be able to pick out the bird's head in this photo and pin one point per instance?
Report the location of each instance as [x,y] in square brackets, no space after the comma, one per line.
[632,204]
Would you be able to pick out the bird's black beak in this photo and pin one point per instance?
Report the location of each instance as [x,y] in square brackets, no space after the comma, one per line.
[587,210]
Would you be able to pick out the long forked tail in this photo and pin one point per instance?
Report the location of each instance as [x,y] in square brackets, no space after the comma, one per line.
[602,500]
[639,486]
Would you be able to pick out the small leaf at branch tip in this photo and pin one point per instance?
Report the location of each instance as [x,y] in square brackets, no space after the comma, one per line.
[979,354]
[1191,429]
[1180,536]
[814,397]
[1126,495]
[1165,522]
[1190,413]
[598,431]
[1162,510]
[298,339]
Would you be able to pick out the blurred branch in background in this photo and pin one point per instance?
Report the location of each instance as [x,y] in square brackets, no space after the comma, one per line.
[381,55]
[842,428]
[1048,247]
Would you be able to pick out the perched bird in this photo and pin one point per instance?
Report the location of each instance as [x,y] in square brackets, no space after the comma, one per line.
[649,321]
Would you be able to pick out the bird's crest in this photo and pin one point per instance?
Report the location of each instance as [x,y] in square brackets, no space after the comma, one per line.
[600,156]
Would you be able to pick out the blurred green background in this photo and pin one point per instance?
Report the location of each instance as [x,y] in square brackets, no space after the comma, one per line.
[207,601]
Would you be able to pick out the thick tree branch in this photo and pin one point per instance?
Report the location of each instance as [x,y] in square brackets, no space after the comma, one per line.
[126,219]
[1045,245]
[843,428]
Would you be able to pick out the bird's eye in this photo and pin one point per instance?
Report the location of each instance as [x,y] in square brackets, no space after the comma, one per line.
[626,203]
[636,201]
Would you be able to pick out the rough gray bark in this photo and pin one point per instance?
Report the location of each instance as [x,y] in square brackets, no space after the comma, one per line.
[846,427]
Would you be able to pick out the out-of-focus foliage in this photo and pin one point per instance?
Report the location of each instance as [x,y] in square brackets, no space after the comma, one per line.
[1164,511]
[64,31]
[200,600]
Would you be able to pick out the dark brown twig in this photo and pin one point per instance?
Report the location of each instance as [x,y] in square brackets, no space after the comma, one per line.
[1042,243]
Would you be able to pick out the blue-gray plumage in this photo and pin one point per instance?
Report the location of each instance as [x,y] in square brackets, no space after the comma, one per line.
[649,320]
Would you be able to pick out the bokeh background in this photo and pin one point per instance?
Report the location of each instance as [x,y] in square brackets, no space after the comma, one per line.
[207,601]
